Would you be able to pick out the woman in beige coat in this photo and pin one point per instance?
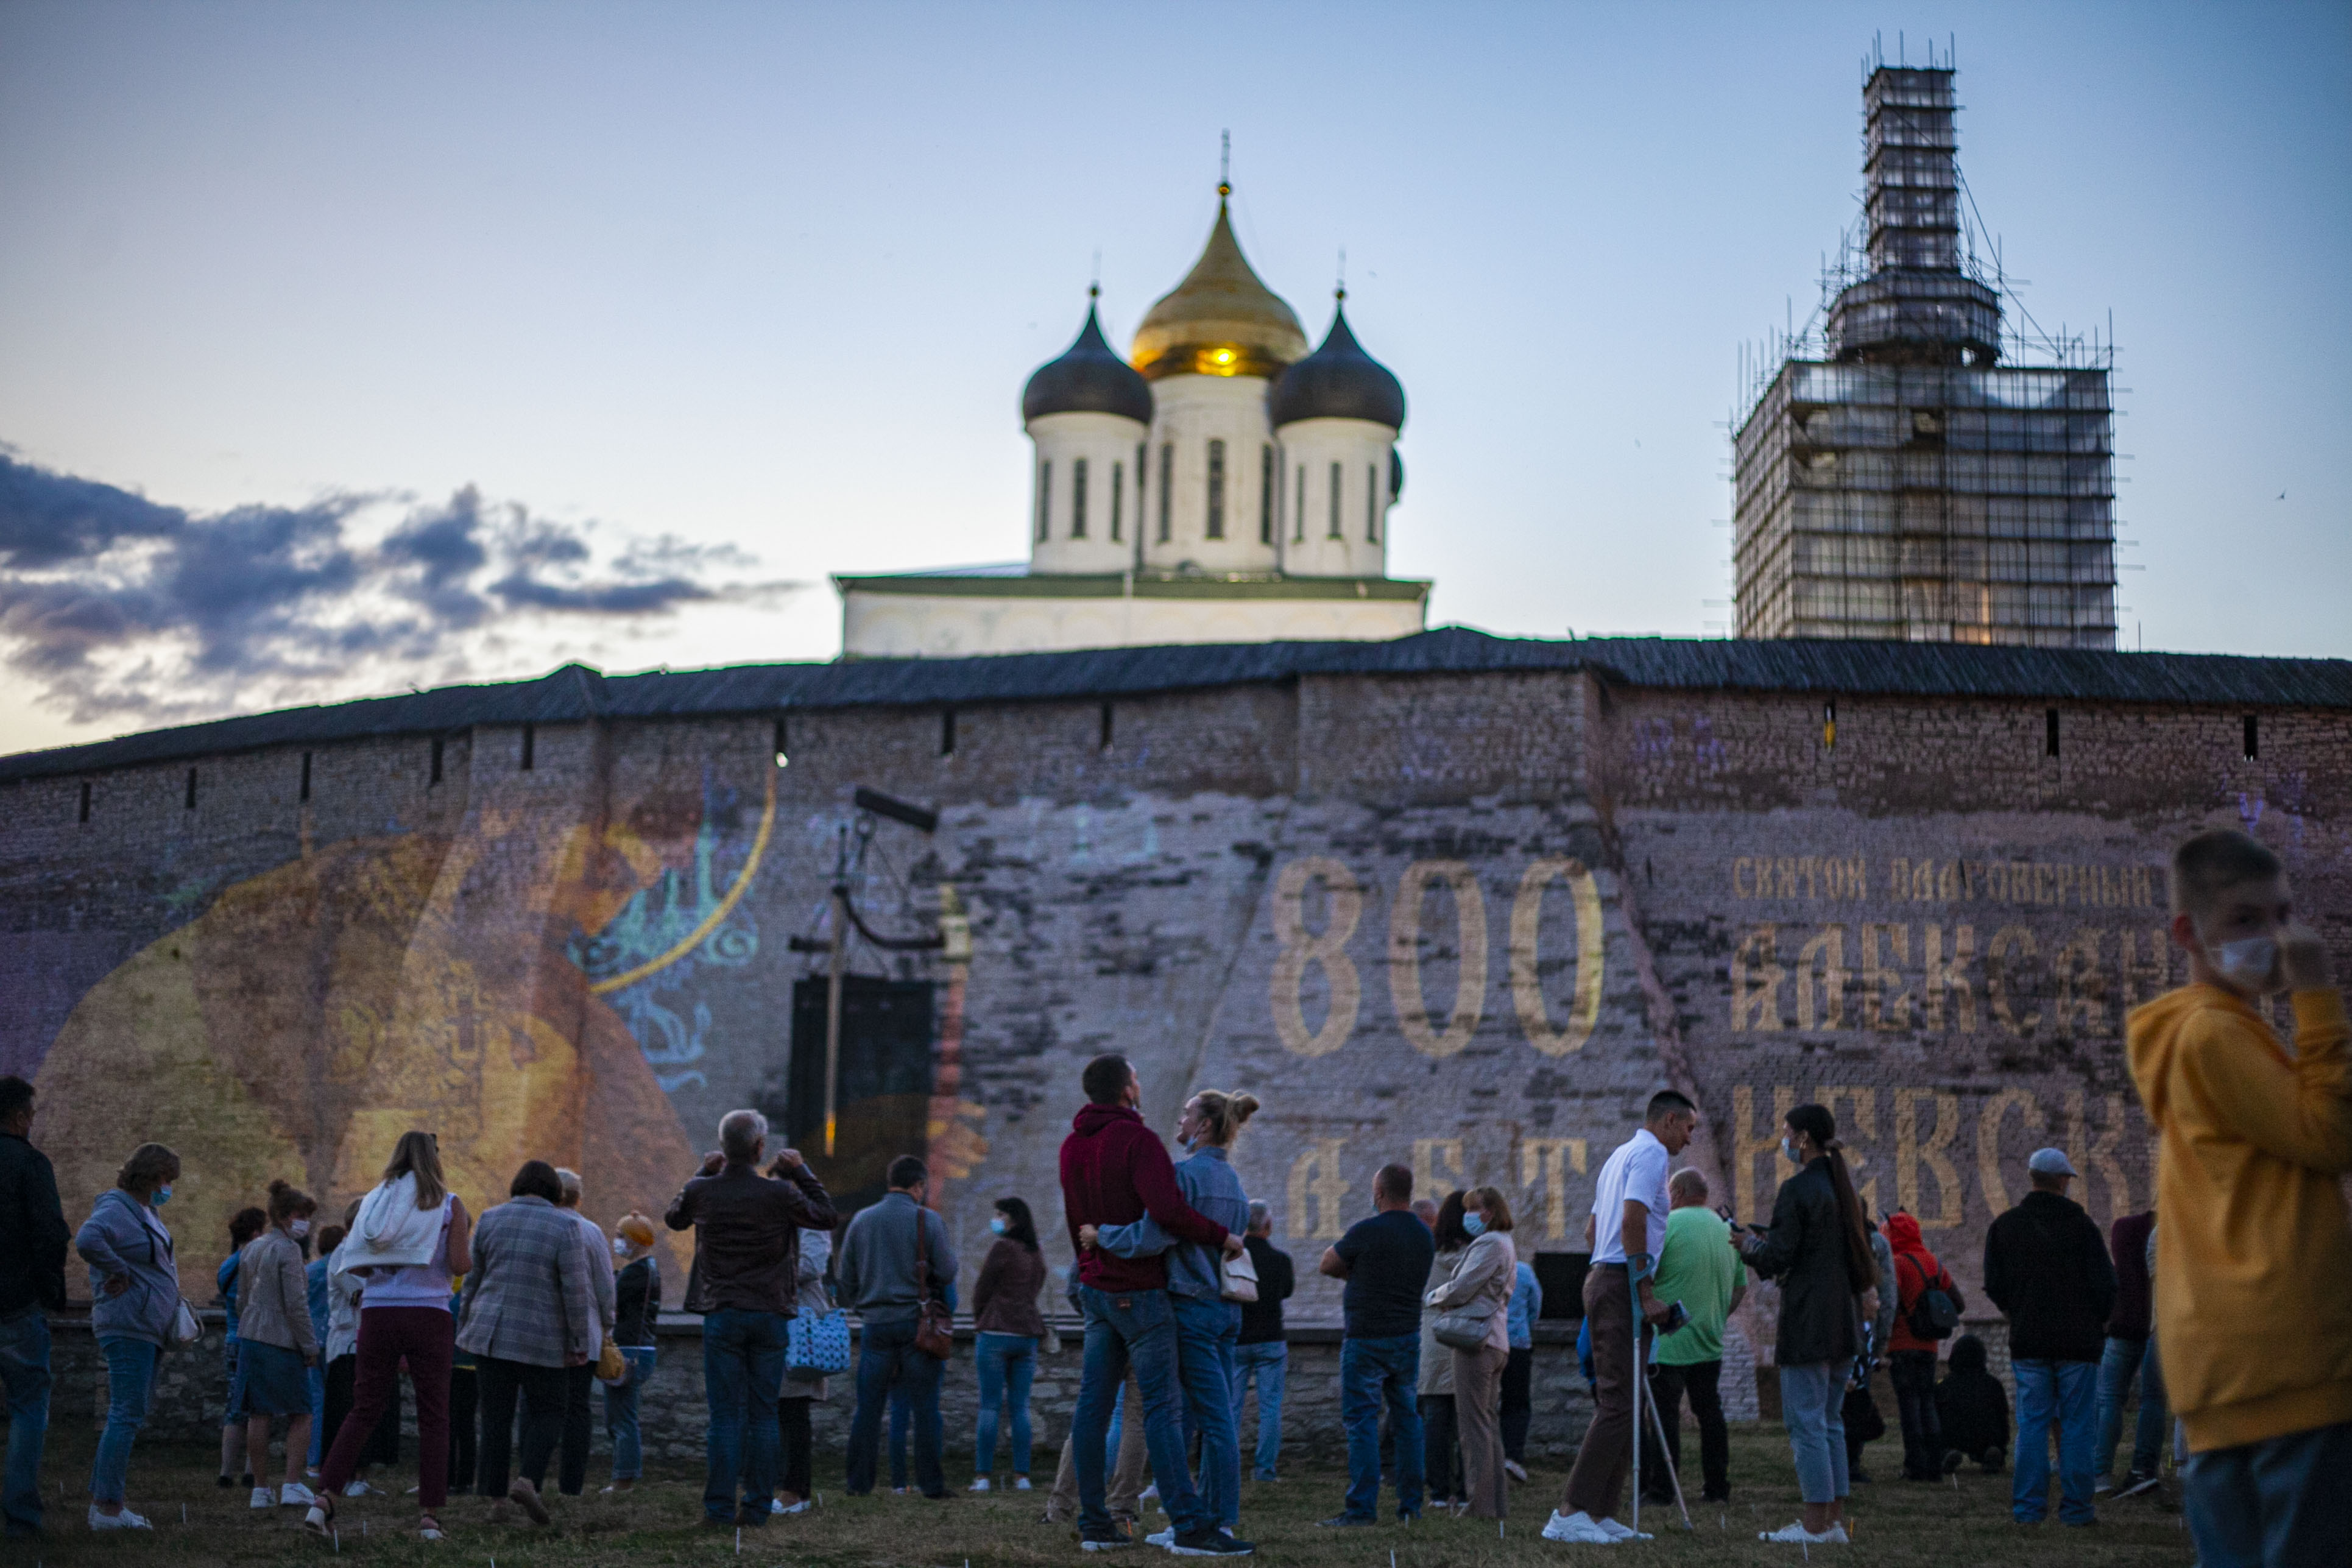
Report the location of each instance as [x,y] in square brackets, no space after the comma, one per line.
[1480,1285]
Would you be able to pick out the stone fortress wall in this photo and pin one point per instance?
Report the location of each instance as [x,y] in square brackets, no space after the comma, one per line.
[1467,913]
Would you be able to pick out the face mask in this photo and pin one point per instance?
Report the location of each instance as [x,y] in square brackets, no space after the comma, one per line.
[299,1229]
[1789,1152]
[163,1195]
[2247,963]
[997,1225]
[620,1247]
[1475,1224]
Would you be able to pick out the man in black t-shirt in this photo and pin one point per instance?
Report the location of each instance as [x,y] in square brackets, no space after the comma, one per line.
[1385,1260]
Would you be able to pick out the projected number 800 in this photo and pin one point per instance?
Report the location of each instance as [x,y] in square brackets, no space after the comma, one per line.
[1299,948]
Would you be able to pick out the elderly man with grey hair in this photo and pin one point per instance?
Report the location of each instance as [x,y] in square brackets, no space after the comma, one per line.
[579,1381]
[747,1227]
[1262,1352]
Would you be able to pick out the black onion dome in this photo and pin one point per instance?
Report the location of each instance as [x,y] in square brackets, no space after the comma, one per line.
[1088,379]
[1339,381]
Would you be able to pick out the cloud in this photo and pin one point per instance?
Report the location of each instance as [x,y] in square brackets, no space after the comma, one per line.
[114,605]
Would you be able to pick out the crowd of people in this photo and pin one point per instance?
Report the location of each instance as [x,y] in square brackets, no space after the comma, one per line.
[2232,1319]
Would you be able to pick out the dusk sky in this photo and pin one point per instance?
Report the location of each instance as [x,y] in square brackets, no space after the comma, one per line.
[348,347]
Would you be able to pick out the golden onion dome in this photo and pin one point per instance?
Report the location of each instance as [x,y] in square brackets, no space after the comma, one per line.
[1221,321]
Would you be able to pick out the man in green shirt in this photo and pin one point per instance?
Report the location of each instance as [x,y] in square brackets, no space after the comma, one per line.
[1698,1268]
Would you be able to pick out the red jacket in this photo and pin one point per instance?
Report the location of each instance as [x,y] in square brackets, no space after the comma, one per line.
[1916,1268]
[1114,1170]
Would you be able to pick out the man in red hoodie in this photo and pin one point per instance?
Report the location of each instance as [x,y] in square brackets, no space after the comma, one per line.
[1911,1354]
[1114,1171]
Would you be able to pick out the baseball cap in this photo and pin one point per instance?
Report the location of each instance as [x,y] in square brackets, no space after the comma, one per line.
[2051,1162]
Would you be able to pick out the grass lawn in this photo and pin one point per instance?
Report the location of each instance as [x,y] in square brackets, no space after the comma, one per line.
[1896,1522]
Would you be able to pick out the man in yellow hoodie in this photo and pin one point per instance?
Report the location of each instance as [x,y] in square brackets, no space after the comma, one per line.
[2254,1291]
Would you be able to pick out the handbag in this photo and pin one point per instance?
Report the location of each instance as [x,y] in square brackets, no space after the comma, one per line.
[612,1366]
[934,1328]
[185,1330]
[816,1344]
[1237,1277]
[1462,1330]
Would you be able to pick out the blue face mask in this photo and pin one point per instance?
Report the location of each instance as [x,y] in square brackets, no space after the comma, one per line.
[997,1225]
[1788,1149]
[1475,1224]
[162,1195]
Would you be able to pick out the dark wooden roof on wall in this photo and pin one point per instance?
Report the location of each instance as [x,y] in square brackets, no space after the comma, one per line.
[575,693]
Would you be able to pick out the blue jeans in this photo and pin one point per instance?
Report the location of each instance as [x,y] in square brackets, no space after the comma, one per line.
[2064,1394]
[2281,1502]
[743,1370]
[24,1373]
[620,1414]
[2124,1360]
[1137,1329]
[887,1360]
[1269,1362]
[1813,1407]
[1206,1330]
[1373,1373]
[130,1380]
[1007,1363]
[317,1410]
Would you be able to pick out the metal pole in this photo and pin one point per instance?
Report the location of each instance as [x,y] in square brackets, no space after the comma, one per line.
[839,924]
[1633,1285]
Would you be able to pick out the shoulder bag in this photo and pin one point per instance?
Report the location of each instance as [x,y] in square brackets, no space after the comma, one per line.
[934,1328]
[1466,1327]
[1237,1277]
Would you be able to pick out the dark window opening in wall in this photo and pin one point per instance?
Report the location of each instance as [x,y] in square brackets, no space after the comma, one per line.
[1044,497]
[2253,746]
[1299,513]
[2050,732]
[783,745]
[192,789]
[530,746]
[85,800]
[1167,488]
[1829,724]
[1372,504]
[433,774]
[1335,500]
[1216,489]
[947,733]
[1077,497]
[1117,497]
[1265,495]
[306,775]
[1106,729]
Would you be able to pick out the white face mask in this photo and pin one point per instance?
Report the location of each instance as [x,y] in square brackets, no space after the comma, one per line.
[620,1247]
[298,1228]
[2248,963]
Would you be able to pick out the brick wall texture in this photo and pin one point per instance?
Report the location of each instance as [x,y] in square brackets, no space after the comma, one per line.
[1470,922]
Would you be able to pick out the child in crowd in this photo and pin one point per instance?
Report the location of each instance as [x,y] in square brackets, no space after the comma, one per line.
[1972,1407]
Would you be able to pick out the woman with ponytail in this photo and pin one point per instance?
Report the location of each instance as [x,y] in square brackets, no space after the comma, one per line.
[1819,1248]
[1208,1327]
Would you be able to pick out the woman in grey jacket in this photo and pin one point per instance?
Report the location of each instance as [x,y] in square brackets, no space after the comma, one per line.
[134,1288]
[1481,1283]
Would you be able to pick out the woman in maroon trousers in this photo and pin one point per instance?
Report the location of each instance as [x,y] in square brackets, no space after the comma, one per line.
[404,1317]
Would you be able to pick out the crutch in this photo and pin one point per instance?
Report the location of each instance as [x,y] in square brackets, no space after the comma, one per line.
[1658,1425]
[1634,1288]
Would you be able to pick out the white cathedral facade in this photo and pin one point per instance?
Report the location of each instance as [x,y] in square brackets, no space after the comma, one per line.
[1222,484]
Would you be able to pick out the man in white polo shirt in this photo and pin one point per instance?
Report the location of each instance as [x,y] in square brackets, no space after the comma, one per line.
[1628,1230]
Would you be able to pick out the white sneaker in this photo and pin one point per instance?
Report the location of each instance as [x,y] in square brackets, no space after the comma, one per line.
[1621,1532]
[778,1505]
[1148,1494]
[1578,1529]
[1797,1535]
[294,1494]
[980,1483]
[1162,1537]
[1021,1483]
[1515,1470]
[126,1520]
[356,1488]
[264,1497]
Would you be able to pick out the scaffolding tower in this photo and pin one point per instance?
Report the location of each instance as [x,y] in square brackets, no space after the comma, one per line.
[1899,474]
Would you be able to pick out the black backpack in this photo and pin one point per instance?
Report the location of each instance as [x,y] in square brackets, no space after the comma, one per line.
[1937,1312]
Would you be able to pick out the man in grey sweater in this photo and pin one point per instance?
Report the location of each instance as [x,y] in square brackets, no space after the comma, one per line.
[876,1271]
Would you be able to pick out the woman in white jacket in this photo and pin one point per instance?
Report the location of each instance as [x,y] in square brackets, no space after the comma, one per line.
[1481,1286]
